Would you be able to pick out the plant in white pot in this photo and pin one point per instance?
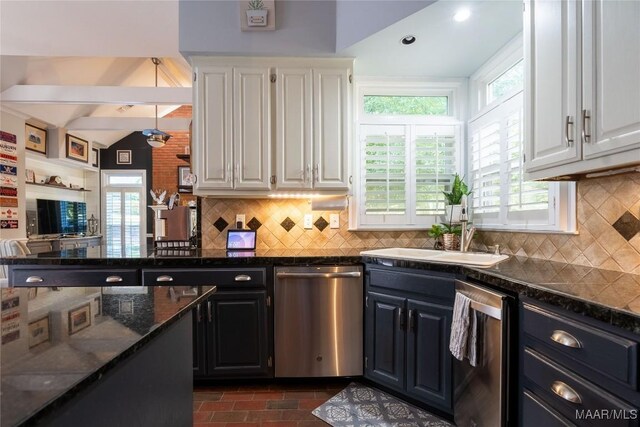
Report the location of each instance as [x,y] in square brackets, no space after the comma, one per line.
[256,14]
[454,198]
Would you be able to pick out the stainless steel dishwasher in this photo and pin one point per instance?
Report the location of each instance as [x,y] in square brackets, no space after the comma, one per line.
[318,321]
[481,396]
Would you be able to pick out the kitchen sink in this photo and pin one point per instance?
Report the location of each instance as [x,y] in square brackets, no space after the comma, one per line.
[478,259]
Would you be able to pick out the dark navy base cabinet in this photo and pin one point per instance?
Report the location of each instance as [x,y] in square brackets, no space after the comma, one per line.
[575,370]
[407,328]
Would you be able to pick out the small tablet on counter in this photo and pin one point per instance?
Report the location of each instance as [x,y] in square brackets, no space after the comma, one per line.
[241,240]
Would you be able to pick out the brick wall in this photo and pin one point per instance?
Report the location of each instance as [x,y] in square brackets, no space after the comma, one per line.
[165,162]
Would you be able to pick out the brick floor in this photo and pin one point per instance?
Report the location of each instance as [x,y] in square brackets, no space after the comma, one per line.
[262,405]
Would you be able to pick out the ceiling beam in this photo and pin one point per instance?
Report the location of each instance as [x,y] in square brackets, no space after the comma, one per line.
[127,123]
[119,95]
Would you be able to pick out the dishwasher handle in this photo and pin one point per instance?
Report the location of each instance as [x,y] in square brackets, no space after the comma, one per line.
[344,275]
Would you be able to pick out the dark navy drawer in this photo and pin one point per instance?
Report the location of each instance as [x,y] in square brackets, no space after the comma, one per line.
[60,277]
[425,284]
[536,413]
[611,355]
[542,376]
[221,277]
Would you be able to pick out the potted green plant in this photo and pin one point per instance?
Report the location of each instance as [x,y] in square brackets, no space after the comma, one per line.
[256,14]
[453,199]
[447,236]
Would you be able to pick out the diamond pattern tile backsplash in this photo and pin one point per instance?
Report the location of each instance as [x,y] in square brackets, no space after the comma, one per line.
[608,215]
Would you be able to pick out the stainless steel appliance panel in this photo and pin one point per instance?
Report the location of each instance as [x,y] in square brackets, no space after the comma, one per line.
[480,392]
[318,321]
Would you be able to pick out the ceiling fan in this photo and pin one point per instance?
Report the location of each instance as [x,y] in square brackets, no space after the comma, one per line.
[155,137]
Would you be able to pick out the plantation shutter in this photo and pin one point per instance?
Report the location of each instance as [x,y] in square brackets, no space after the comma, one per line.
[500,193]
[435,165]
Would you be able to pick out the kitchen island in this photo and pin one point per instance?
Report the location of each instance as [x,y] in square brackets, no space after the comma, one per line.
[83,355]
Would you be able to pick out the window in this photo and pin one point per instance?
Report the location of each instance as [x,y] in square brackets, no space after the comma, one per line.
[502,198]
[407,155]
[124,213]
[406,105]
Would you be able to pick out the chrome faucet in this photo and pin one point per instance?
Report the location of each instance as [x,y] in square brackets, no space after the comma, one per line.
[465,235]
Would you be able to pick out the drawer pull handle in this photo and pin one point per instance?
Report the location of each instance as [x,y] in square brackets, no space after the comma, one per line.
[242,278]
[113,279]
[164,279]
[34,279]
[209,314]
[198,313]
[565,392]
[565,339]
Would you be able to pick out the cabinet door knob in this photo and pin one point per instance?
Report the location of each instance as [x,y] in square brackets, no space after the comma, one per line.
[401,318]
[34,279]
[411,320]
[164,279]
[113,279]
[565,392]
[565,339]
[242,278]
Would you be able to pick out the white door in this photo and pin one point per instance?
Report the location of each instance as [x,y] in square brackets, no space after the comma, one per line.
[611,71]
[124,224]
[212,156]
[552,84]
[331,128]
[294,130]
[252,128]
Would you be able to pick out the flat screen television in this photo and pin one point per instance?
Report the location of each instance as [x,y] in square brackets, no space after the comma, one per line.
[61,217]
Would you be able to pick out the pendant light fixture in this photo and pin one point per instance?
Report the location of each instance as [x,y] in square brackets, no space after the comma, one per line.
[155,137]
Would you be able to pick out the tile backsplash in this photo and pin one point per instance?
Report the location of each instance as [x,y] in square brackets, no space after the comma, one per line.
[608,225]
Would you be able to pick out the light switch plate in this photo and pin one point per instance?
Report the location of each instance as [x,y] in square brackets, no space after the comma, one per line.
[308,221]
[334,221]
[240,218]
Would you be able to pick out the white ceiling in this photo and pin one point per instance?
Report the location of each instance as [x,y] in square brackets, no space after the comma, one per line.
[109,43]
[444,48]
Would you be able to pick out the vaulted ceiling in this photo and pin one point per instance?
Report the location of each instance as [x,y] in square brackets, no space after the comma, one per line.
[84,65]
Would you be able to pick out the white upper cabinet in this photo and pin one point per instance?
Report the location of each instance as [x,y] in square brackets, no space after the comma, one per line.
[553,83]
[331,128]
[611,72]
[582,87]
[212,161]
[235,121]
[252,128]
[312,130]
[294,133]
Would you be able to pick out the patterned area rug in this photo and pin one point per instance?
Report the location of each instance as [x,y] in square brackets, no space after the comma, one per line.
[362,406]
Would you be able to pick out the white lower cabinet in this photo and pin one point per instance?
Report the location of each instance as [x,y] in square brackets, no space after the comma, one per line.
[241,104]
[583,91]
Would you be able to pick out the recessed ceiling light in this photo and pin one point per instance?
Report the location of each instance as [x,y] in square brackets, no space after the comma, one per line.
[462,15]
[407,40]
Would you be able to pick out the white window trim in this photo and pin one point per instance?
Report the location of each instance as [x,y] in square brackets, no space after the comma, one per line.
[455,89]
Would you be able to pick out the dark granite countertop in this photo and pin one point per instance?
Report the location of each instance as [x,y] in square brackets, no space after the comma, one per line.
[57,343]
[609,296]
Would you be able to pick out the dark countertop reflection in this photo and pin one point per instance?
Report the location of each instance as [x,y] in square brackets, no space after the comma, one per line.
[56,343]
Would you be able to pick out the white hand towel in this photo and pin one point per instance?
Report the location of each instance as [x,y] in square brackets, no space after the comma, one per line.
[472,345]
[460,326]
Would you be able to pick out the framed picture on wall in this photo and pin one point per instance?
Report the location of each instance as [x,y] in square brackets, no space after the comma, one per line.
[123,157]
[95,157]
[185,179]
[79,318]
[35,139]
[77,149]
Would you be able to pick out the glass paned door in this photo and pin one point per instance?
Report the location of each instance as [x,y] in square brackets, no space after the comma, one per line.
[124,212]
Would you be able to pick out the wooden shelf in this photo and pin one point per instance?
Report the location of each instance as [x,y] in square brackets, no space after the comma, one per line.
[185,157]
[60,187]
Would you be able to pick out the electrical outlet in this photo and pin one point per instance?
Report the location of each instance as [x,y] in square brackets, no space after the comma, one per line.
[334,221]
[240,222]
[308,221]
